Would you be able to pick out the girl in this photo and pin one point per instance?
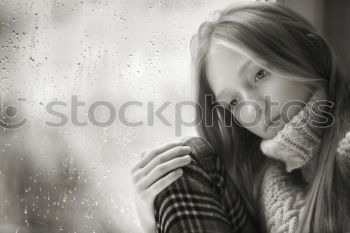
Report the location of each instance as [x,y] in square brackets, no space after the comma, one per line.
[278,127]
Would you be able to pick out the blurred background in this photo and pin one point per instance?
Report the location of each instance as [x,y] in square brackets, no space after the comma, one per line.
[74,176]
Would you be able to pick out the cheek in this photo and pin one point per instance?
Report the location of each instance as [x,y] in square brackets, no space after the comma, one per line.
[281,89]
[285,96]
[293,103]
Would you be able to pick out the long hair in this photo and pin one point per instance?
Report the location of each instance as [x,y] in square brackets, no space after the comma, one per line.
[287,44]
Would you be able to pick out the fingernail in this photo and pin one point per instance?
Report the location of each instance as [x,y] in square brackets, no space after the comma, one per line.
[188,148]
[188,158]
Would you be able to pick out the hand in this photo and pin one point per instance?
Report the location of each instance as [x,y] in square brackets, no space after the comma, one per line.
[156,170]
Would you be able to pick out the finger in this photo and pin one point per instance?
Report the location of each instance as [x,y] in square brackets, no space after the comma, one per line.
[135,167]
[161,158]
[164,182]
[161,170]
[149,155]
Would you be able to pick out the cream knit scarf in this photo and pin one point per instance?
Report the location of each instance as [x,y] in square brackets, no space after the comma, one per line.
[280,196]
[300,139]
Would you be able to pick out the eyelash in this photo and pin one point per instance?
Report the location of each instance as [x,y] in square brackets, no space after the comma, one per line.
[264,72]
[255,80]
[231,106]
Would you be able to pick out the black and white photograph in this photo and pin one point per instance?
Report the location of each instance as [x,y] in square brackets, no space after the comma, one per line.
[175,116]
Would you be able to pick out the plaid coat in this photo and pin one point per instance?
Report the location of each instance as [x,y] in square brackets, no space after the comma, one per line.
[204,199]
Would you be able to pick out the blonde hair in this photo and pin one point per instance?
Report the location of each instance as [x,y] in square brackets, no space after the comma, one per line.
[281,41]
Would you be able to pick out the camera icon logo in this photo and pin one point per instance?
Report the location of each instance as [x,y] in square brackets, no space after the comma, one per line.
[9,119]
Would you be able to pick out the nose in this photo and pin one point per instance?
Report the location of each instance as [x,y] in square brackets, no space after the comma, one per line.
[250,110]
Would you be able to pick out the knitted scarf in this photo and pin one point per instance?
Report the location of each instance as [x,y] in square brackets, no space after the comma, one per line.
[300,139]
[279,193]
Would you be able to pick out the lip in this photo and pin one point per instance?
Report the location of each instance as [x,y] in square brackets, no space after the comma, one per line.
[269,123]
[274,119]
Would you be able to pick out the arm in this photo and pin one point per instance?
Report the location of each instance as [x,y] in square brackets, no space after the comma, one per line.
[203,199]
[156,169]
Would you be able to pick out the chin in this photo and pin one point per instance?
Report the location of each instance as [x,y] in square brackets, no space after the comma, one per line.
[269,132]
[265,132]
[268,135]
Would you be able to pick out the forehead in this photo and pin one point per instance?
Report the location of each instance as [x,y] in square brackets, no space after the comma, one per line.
[220,57]
[225,65]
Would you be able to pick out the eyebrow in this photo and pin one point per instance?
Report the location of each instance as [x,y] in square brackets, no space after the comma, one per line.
[240,71]
[244,67]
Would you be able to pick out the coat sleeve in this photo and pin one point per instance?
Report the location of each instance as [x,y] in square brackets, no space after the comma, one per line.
[203,199]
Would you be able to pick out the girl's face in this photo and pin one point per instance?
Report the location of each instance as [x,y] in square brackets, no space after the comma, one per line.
[261,101]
